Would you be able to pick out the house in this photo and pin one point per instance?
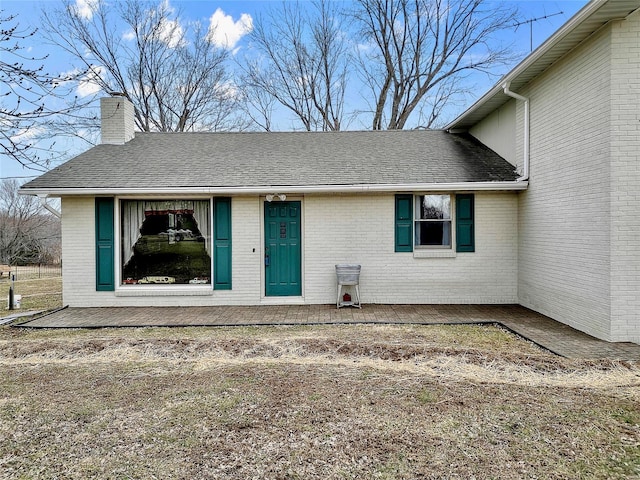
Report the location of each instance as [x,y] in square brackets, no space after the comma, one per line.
[573,130]
[528,197]
[431,217]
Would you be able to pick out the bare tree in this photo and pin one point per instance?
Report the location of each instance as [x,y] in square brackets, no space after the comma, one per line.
[28,234]
[32,100]
[419,51]
[259,105]
[303,65]
[174,76]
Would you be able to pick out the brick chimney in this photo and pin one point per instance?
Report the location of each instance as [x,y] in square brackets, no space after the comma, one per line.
[116,120]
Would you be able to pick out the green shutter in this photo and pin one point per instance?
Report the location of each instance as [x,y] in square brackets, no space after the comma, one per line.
[222,243]
[404,223]
[105,274]
[465,236]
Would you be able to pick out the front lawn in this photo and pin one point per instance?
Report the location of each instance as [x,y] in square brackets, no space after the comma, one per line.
[330,402]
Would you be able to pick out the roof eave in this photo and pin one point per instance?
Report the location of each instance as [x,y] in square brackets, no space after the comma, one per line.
[286,189]
[559,40]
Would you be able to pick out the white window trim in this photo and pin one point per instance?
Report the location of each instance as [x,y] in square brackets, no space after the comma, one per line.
[435,251]
[426,253]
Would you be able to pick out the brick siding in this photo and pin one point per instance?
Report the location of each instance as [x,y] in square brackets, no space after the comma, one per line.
[578,253]
[625,179]
[116,120]
[336,229]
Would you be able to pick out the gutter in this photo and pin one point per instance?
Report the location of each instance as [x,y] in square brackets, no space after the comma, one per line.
[43,202]
[286,189]
[527,139]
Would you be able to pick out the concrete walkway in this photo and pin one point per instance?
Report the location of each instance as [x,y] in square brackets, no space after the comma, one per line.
[551,335]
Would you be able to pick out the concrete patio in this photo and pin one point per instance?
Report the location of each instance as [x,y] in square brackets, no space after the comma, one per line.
[549,334]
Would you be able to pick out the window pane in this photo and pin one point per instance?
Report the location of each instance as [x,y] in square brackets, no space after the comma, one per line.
[166,242]
[433,207]
[433,233]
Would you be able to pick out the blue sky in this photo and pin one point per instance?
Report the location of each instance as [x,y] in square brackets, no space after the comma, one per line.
[233,20]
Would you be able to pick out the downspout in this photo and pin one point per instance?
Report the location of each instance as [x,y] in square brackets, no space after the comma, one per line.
[43,202]
[525,165]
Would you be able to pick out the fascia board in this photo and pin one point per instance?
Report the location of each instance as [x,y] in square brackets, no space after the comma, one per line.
[286,189]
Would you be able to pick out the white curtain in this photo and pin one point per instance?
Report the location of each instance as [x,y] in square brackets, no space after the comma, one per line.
[203,219]
[446,233]
[132,220]
[133,217]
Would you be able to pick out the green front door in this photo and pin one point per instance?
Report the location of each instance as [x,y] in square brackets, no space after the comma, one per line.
[282,265]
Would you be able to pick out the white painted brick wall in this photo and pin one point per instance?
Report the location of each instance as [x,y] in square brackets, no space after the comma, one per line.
[116,120]
[579,251]
[247,263]
[336,229]
[78,255]
[564,217]
[360,229]
[500,133]
[78,252]
[625,180]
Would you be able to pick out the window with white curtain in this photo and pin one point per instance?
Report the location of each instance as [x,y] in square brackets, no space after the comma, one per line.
[166,242]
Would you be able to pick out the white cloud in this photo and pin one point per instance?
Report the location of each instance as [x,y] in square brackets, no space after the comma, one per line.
[228,89]
[25,135]
[85,8]
[224,32]
[171,33]
[88,85]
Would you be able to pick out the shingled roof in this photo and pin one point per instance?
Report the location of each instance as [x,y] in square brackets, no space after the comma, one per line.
[229,161]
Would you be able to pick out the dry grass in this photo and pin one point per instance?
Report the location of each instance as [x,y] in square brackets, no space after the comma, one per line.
[37,294]
[30,272]
[334,402]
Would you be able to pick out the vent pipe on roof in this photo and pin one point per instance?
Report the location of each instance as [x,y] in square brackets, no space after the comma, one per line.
[116,120]
[525,165]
